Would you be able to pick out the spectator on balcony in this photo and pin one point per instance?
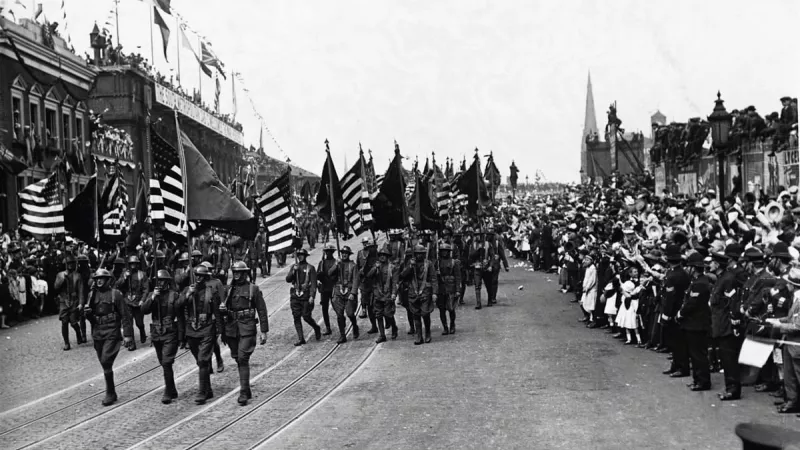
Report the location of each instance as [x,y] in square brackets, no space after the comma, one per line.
[788,112]
[771,125]
[755,123]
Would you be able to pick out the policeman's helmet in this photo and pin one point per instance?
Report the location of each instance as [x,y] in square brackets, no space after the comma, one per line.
[240,266]
[184,257]
[419,249]
[102,273]
[445,248]
[346,249]
[133,259]
[330,248]
[163,274]
[302,252]
[202,271]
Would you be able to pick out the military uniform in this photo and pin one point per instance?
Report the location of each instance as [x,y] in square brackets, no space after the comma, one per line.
[244,308]
[200,311]
[69,287]
[481,255]
[364,261]
[461,253]
[135,286]
[301,296]
[398,257]
[725,315]
[498,257]
[449,273]
[108,313]
[385,279]
[220,258]
[346,278]
[423,284]
[325,284]
[167,329]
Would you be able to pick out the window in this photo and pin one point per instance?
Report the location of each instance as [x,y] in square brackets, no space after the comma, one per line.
[51,127]
[16,115]
[79,131]
[34,117]
[66,131]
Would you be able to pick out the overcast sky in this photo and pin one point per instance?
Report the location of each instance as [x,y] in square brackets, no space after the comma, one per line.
[451,75]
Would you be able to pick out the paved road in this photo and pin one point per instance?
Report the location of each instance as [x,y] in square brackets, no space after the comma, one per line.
[523,374]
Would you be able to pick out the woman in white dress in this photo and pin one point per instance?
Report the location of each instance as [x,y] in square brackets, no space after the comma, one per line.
[628,317]
[589,297]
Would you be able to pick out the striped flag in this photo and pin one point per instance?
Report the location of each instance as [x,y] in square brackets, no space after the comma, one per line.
[42,211]
[114,205]
[441,191]
[378,184]
[275,206]
[166,188]
[358,208]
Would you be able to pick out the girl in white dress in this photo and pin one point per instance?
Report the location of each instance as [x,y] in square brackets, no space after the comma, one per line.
[628,317]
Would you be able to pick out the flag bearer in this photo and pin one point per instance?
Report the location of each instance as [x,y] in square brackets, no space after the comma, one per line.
[365,260]
[325,284]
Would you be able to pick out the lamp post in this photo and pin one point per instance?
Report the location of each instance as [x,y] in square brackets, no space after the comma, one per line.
[720,121]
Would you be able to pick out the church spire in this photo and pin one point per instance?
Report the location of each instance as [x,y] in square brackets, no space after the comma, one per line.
[589,126]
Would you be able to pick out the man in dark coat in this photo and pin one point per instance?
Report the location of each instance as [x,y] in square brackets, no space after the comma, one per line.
[676,283]
[695,321]
[725,320]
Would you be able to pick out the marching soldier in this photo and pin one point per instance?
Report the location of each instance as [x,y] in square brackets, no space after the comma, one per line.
[498,257]
[325,284]
[345,276]
[117,273]
[69,287]
[200,304]
[157,263]
[167,328]
[384,278]
[695,320]
[242,309]
[302,293]
[181,276]
[365,260]
[217,286]
[423,288]
[108,313]
[449,273]
[256,255]
[398,257]
[264,254]
[481,254]
[221,260]
[135,286]
[462,243]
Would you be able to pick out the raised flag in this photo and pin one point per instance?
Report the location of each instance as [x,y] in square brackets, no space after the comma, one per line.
[113,206]
[471,183]
[421,209]
[356,197]
[166,188]
[158,20]
[42,211]
[275,206]
[329,197]
[81,214]
[208,58]
[164,4]
[185,42]
[389,208]
[140,215]
[11,163]
[492,175]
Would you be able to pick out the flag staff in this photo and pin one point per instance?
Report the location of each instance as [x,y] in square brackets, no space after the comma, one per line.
[152,51]
[334,217]
[96,205]
[364,177]
[178,52]
[182,158]
[200,70]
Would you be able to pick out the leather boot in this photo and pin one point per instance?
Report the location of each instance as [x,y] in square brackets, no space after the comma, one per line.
[373,329]
[209,391]
[443,318]
[381,330]
[111,392]
[453,322]
[203,377]
[426,320]
[411,329]
[394,329]
[301,338]
[418,326]
[355,328]
[170,392]
[342,337]
[478,300]
[244,384]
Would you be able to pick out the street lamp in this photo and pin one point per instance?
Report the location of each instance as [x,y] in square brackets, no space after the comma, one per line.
[720,121]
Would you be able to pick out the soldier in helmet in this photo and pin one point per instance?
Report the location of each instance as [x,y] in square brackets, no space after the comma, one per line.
[399,257]
[449,272]
[364,261]
[200,304]
[499,256]
[158,262]
[325,283]
[242,309]
[167,328]
[302,293]
[117,272]
[384,278]
[69,287]
[85,272]
[345,277]
[461,244]
[108,313]
[221,259]
[423,288]
[181,274]
[216,285]
[481,255]
[263,255]
[135,286]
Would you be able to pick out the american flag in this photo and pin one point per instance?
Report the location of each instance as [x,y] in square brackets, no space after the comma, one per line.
[377,188]
[458,199]
[358,208]
[42,211]
[114,203]
[442,192]
[166,188]
[275,205]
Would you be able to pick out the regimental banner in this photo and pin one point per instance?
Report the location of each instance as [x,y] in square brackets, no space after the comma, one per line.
[171,99]
[782,171]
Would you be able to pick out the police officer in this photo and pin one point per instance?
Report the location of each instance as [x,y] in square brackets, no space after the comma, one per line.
[325,283]
[69,287]
[676,282]
[135,286]
[423,288]
[242,309]
[365,260]
[385,279]
[695,321]
[449,273]
[108,313]
[346,276]
[724,315]
[200,302]
[167,328]
[302,293]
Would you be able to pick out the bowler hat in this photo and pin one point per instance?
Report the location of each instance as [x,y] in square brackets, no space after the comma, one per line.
[781,250]
[695,260]
[753,254]
[673,253]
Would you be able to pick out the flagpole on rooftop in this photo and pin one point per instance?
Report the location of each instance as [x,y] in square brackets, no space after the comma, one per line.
[178,53]
[152,51]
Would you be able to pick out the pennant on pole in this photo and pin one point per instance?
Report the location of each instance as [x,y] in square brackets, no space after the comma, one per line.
[158,20]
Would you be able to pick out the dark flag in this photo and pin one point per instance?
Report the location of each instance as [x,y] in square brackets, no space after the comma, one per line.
[158,20]
[514,171]
[330,180]
[11,163]
[306,193]
[209,202]
[389,208]
[420,207]
[492,174]
[471,183]
[81,214]
[140,215]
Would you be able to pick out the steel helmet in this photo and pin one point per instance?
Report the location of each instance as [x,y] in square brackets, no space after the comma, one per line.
[184,257]
[119,261]
[384,251]
[83,258]
[133,259]
[302,252]
[159,254]
[330,248]
[346,249]
[206,264]
[196,253]
[163,274]
[201,270]
[69,259]
[240,266]
[445,248]
[102,273]
[419,249]
[365,241]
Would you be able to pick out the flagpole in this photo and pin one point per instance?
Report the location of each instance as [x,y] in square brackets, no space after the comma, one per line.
[182,158]
[334,217]
[116,13]
[96,207]
[200,70]
[178,53]
[152,51]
